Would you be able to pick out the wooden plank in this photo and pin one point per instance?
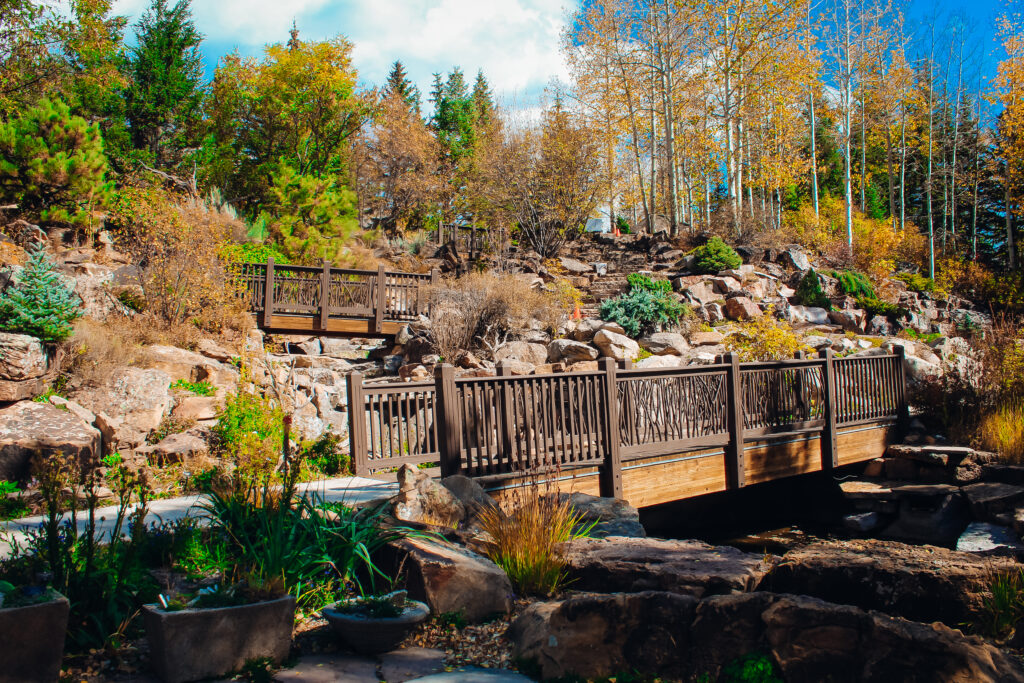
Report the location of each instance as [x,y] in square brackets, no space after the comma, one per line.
[380,303]
[357,423]
[449,414]
[268,294]
[734,412]
[325,294]
[776,460]
[611,472]
[828,446]
[354,327]
[867,442]
[667,479]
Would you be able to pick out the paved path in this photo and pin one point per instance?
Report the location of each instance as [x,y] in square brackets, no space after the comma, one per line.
[409,664]
[351,490]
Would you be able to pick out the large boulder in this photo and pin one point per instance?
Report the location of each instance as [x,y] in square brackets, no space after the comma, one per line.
[665,344]
[570,351]
[21,357]
[129,406]
[452,579]
[742,308]
[682,638]
[639,564]
[191,366]
[423,500]
[610,516]
[615,345]
[923,583]
[794,257]
[807,315]
[27,428]
[535,354]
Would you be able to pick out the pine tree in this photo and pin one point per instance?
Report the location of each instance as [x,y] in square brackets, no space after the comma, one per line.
[454,116]
[399,84]
[52,164]
[482,99]
[39,304]
[167,72]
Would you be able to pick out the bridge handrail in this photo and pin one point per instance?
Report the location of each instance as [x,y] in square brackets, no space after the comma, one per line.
[511,425]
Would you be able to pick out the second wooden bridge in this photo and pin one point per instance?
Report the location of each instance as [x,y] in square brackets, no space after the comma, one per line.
[328,301]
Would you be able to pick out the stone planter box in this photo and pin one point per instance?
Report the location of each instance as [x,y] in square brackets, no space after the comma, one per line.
[32,641]
[369,635]
[193,644]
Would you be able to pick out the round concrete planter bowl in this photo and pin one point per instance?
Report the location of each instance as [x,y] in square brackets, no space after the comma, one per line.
[32,641]
[372,635]
[194,644]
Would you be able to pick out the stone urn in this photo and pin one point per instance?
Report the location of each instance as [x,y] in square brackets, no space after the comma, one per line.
[198,643]
[366,631]
[32,641]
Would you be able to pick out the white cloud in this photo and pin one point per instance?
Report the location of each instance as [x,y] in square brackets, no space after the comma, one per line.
[515,42]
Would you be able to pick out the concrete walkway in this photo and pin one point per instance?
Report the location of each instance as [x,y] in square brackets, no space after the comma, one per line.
[349,490]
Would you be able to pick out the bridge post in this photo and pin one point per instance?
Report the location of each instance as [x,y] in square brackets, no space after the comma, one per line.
[611,471]
[447,419]
[325,294]
[357,424]
[829,450]
[378,307]
[903,408]
[734,465]
[268,294]
[508,429]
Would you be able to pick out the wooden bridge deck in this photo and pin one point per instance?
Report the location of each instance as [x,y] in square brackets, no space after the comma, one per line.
[647,436]
[328,301]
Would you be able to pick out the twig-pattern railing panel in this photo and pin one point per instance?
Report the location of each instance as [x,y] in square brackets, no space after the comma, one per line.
[510,425]
[521,423]
[781,396]
[868,388]
[677,407]
[399,424]
[296,289]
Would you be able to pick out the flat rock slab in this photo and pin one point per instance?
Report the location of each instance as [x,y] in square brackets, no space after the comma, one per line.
[982,537]
[410,663]
[893,490]
[335,668]
[476,675]
[632,565]
[923,583]
[988,497]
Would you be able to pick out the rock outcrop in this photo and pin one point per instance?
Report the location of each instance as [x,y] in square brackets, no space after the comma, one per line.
[680,637]
[28,427]
[642,564]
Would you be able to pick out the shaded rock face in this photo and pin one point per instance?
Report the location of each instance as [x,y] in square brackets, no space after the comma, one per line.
[28,427]
[452,579]
[610,516]
[641,564]
[682,638]
[924,583]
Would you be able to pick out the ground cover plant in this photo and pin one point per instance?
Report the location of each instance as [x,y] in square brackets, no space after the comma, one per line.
[715,256]
[647,306]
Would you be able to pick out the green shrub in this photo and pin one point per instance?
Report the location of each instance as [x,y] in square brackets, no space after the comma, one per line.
[641,311]
[52,164]
[325,455]
[810,293]
[874,306]
[622,224]
[715,256]
[645,282]
[916,282]
[252,252]
[11,504]
[853,283]
[247,416]
[751,668]
[202,388]
[39,303]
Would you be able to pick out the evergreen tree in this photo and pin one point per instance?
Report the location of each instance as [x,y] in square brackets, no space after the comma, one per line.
[39,303]
[483,100]
[454,116]
[167,70]
[52,164]
[399,84]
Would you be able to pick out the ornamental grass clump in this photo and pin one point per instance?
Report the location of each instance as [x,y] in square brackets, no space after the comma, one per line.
[527,536]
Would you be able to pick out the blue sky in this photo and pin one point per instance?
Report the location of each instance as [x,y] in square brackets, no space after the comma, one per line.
[515,42]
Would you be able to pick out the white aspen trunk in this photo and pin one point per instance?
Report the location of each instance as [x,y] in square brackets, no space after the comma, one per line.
[814,131]
[956,135]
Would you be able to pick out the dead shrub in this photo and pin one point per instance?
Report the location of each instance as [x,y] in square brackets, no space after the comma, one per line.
[95,349]
[482,310]
[177,244]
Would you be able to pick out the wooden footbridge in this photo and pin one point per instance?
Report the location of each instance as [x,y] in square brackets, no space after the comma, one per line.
[328,301]
[649,436]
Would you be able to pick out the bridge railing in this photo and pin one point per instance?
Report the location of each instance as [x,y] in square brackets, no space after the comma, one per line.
[274,289]
[509,425]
